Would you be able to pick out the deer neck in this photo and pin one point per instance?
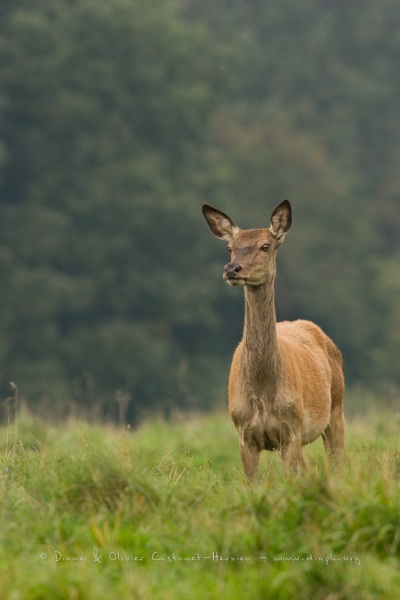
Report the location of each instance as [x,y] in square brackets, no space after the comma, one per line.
[261,359]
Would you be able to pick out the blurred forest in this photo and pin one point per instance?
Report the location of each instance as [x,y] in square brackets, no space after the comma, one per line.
[118,119]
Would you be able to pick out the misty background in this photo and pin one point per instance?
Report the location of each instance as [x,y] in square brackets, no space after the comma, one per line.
[118,119]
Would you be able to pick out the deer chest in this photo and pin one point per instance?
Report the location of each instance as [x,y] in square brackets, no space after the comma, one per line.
[260,426]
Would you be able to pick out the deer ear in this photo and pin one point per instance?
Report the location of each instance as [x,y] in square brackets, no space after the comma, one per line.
[220,224]
[281,220]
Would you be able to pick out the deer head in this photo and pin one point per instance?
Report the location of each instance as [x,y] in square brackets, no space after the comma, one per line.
[252,251]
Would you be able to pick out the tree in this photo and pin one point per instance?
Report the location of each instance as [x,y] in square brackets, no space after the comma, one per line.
[105,109]
[118,119]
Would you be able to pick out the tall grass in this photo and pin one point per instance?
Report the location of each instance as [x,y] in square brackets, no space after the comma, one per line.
[164,512]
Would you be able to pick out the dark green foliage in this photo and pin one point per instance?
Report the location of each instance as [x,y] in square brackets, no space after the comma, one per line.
[119,119]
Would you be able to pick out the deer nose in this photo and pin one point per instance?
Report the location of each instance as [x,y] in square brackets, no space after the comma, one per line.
[231,270]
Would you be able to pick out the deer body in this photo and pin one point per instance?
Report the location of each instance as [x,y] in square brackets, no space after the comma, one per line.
[286,381]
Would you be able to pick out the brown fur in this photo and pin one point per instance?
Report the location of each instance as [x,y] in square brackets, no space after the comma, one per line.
[286,383]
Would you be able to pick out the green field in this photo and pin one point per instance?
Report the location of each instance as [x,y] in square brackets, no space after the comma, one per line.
[163,512]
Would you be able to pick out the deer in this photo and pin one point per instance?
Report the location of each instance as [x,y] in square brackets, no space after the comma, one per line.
[286,381]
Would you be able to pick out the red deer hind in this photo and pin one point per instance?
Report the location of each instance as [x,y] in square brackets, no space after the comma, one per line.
[286,381]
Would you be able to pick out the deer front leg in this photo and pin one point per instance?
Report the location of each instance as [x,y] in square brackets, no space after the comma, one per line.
[292,455]
[250,459]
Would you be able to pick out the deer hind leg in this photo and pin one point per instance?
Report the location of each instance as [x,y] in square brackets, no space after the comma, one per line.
[333,435]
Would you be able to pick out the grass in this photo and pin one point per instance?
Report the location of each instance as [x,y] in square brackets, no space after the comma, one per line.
[98,512]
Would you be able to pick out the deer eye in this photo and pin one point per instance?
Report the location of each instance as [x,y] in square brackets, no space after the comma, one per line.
[229,249]
[265,247]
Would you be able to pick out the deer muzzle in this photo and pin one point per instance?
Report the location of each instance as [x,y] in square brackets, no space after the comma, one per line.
[233,274]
